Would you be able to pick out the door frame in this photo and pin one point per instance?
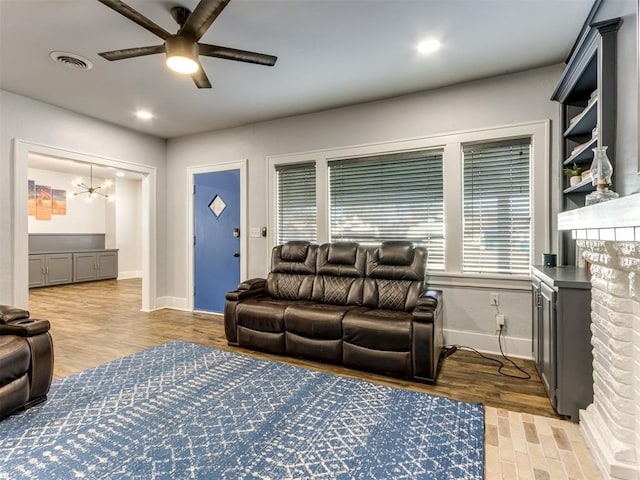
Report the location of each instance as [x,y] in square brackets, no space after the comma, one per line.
[21,151]
[213,168]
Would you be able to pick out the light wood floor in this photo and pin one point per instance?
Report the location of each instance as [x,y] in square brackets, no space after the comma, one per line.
[94,323]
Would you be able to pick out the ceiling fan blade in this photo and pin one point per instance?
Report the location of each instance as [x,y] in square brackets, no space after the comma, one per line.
[200,78]
[238,55]
[201,18]
[132,52]
[135,16]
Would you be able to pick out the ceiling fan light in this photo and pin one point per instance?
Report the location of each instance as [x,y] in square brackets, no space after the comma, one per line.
[184,65]
[182,55]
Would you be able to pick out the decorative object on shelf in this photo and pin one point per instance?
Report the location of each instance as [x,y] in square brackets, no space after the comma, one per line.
[574,173]
[90,189]
[601,173]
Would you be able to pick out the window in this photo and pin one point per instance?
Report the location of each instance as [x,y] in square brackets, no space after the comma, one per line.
[483,180]
[496,211]
[389,197]
[296,202]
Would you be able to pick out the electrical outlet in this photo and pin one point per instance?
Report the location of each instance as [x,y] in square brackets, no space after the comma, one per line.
[499,320]
[494,299]
[255,232]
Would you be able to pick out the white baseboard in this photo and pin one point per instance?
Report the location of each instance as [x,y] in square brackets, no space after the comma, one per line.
[175,303]
[512,346]
[131,274]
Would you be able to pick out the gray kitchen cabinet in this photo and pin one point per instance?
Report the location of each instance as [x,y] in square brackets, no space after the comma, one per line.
[107,264]
[561,326]
[50,269]
[88,266]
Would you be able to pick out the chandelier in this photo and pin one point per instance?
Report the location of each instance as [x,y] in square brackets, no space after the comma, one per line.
[90,190]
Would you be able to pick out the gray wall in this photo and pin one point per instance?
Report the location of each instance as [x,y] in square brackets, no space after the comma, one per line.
[36,122]
[509,99]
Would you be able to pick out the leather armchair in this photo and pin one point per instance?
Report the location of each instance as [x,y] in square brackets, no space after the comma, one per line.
[26,360]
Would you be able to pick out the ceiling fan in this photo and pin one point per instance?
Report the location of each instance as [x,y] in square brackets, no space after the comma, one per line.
[183,48]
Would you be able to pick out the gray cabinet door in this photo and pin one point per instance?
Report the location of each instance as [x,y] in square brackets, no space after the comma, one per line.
[536,317]
[59,268]
[37,269]
[107,265]
[84,267]
[547,338]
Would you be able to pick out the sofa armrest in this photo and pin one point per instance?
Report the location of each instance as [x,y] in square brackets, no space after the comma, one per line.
[428,306]
[253,287]
[252,284]
[9,313]
[25,327]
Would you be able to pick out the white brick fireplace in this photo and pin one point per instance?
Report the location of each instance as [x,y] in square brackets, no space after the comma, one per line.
[609,236]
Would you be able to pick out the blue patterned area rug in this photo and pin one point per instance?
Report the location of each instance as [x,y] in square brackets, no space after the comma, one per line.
[180,411]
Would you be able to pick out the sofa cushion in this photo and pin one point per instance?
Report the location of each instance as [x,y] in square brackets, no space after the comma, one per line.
[337,290]
[294,251]
[391,294]
[390,262]
[396,253]
[264,341]
[342,253]
[294,257]
[316,320]
[327,350]
[263,314]
[378,329]
[394,363]
[289,286]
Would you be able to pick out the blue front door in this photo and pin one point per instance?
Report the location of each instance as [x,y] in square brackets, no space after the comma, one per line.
[216,250]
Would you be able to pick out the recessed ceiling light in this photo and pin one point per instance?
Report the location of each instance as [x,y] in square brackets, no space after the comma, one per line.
[144,115]
[120,174]
[428,46]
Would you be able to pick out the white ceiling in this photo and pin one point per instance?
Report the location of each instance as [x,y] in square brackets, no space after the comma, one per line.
[331,53]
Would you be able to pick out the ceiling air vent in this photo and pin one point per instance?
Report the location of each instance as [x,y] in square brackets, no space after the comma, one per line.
[71,60]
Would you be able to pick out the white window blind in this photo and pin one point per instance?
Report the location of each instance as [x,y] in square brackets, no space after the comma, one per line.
[497,209]
[389,197]
[296,202]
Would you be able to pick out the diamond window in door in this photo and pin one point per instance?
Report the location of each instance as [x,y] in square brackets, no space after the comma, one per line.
[217,205]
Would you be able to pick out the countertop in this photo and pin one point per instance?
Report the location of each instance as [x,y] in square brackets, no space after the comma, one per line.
[563,276]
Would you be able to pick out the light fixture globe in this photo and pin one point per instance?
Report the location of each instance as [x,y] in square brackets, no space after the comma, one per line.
[182,55]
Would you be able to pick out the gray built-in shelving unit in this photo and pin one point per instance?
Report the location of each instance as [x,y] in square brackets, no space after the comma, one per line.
[587,95]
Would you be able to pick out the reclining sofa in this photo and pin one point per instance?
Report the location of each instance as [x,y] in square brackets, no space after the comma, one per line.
[26,360]
[363,307]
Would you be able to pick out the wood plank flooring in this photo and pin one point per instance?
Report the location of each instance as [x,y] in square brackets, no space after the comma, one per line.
[94,323]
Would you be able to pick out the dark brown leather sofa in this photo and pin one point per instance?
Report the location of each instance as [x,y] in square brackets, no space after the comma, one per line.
[26,360]
[364,307]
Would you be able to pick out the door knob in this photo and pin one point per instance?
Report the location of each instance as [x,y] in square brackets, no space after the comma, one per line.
[236,254]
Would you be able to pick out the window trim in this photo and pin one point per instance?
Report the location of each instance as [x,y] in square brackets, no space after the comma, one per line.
[538,131]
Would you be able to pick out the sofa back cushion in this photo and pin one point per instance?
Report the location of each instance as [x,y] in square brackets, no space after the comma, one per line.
[293,267]
[340,270]
[395,274]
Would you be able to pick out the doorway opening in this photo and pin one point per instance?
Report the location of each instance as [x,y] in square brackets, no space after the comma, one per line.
[27,154]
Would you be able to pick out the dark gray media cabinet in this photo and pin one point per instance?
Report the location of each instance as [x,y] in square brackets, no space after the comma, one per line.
[58,259]
[561,300]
